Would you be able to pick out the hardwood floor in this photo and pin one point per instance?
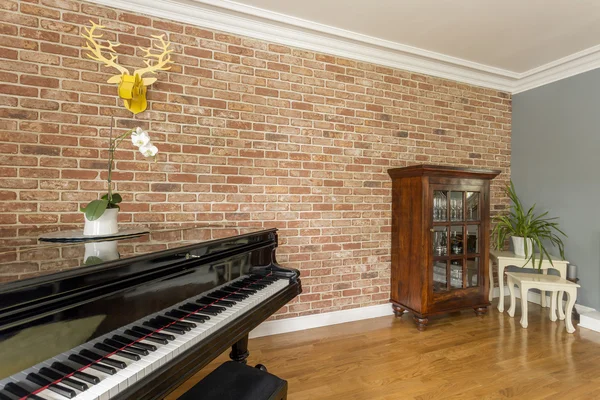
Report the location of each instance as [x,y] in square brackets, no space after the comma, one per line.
[459,357]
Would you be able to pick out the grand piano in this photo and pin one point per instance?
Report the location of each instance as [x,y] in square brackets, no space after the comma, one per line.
[133,318]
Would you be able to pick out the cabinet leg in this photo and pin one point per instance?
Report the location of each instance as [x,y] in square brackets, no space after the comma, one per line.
[480,311]
[421,322]
[398,311]
[239,350]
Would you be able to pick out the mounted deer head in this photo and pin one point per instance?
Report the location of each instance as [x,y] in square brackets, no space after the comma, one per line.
[132,87]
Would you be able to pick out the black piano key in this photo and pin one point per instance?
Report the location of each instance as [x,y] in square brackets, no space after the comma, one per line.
[217,309]
[20,392]
[75,384]
[156,338]
[157,325]
[4,397]
[194,308]
[188,325]
[186,315]
[59,389]
[104,360]
[139,345]
[213,307]
[130,348]
[160,335]
[77,374]
[221,294]
[252,286]
[121,353]
[215,301]
[232,289]
[94,365]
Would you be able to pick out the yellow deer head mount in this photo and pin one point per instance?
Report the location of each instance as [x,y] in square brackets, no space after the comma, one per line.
[132,87]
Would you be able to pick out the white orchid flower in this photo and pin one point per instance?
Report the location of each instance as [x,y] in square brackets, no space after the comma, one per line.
[139,137]
[149,150]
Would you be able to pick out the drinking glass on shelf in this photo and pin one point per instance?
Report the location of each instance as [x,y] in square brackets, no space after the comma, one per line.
[443,206]
[440,243]
[452,209]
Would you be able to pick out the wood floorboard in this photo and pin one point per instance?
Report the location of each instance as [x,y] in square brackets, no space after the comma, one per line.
[460,356]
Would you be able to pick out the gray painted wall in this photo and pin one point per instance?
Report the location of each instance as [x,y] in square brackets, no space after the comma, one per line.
[555,163]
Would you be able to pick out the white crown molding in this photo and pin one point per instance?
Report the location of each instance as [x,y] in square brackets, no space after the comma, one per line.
[565,67]
[236,18]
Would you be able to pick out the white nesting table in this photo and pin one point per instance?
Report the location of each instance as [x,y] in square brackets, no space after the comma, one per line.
[508,258]
[552,283]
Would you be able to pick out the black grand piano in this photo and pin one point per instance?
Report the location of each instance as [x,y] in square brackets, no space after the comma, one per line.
[134,318]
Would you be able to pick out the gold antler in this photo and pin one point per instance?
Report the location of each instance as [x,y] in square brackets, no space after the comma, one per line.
[96,49]
[162,59]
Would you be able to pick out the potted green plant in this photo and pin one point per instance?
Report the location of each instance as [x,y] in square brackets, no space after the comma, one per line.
[527,229]
[101,215]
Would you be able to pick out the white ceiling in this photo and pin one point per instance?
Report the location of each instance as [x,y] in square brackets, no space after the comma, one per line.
[510,45]
[514,35]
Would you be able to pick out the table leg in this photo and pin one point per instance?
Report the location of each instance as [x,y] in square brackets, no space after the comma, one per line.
[562,270]
[491,272]
[559,304]
[501,286]
[553,306]
[543,292]
[513,298]
[572,296]
[524,290]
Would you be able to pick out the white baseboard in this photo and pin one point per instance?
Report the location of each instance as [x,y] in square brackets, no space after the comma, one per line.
[318,320]
[590,318]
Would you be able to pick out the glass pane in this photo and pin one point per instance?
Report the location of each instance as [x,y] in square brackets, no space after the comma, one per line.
[456,240]
[473,272]
[439,276]
[456,206]
[473,239]
[440,241]
[472,206]
[456,276]
[440,205]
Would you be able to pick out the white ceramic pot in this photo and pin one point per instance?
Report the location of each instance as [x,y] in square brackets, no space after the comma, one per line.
[104,251]
[105,225]
[519,246]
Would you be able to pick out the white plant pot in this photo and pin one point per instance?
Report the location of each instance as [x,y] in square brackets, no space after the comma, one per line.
[105,251]
[519,246]
[105,225]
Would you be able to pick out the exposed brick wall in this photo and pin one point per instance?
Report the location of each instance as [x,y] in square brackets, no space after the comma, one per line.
[249,132]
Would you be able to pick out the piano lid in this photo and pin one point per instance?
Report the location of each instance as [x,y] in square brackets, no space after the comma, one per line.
[26,257]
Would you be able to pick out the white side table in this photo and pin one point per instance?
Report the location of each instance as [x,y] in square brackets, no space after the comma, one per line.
[551,283]
[508,258]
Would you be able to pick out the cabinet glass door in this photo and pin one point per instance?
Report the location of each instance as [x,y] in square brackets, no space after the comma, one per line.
[455,239]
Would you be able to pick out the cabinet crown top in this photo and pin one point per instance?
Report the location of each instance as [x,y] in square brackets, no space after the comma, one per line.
[443,170]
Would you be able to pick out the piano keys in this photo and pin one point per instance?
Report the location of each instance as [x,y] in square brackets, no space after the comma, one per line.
[138,326]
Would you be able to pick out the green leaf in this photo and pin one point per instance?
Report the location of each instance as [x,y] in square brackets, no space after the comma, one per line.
[93,260]
[116,198]
[95,209]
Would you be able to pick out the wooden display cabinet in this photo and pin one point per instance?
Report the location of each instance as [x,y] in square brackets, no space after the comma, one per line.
[440,240]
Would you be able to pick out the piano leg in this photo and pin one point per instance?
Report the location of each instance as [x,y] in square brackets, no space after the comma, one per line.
[239,350]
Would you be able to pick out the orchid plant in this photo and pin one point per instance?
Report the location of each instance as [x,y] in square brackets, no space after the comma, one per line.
[141,140]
